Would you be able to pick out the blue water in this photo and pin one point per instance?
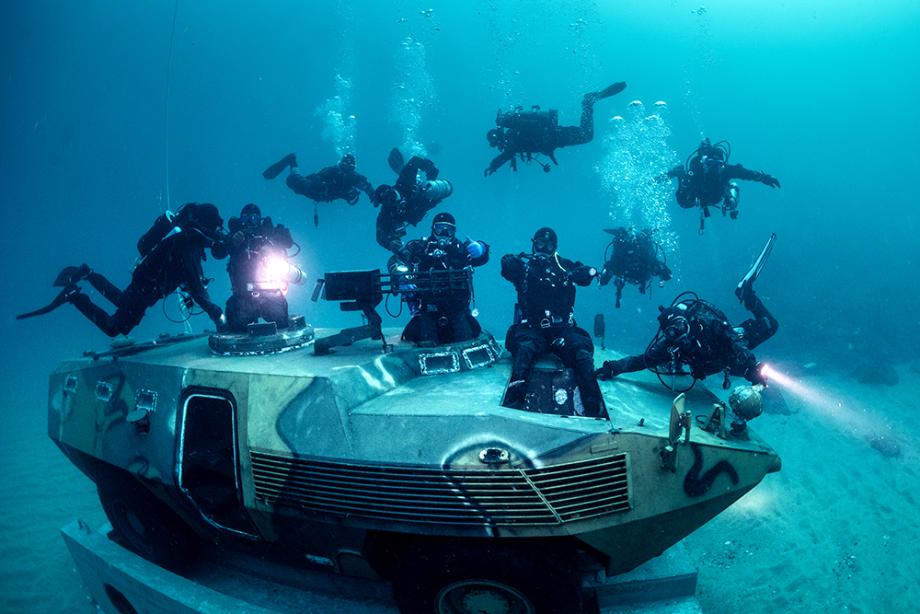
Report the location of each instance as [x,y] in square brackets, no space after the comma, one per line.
[822,94]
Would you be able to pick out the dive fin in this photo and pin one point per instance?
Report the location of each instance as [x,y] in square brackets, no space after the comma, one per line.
[611,90]
[746,284]
[396,160]
[70,275]
[62,297]
[275,169]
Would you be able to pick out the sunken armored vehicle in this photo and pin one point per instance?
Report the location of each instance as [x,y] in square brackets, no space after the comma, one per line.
[374,458]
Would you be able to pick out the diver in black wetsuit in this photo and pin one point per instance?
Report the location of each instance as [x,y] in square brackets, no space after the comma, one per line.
[171,255]
[441,314]
[706,178]
[326,185]
[523,134]
[545,284]
[409,199]
[695,334]
[258,268]
[635,257]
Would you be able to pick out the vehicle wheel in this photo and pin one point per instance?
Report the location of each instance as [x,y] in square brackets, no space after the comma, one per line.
[461,579]
[145,524]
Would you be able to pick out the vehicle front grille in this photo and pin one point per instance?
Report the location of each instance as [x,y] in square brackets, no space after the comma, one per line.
[547,495]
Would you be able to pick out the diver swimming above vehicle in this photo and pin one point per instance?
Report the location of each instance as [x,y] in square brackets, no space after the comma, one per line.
[705,180]
[408,199]
[633,257]
[521,134]
[339,182]
[696,339]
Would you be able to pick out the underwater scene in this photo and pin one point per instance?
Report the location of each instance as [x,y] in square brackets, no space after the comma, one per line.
[668,196]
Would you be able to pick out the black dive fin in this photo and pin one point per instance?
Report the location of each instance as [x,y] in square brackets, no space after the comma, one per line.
[396,160]
[275,169]
[747,282]
[70,275]
[611,90]
[62,297]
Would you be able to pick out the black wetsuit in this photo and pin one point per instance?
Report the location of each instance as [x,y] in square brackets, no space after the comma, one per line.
[712,346]
[252,298]
[707,182]
[330,183]
[546,300]
[633,260]
[174,263]
[410,207]
[526,133]
[443,316]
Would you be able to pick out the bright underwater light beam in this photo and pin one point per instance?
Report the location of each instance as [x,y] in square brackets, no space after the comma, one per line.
[844,412]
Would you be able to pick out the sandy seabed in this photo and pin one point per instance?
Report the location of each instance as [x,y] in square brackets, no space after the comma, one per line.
[834,531]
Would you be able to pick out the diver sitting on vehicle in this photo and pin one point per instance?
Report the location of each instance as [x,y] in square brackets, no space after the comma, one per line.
[634,258]
[545,284]
[441,313]
[260,272]
[695,338]
[171,252]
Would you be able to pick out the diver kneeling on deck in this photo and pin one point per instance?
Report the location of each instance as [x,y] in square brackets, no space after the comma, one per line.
[259,269]
[436,281]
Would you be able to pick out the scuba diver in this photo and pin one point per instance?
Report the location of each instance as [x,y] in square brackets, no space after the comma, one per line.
[545,319]
[705,180]
[327,184]
[524,134]
[409,199]
[695,334]
[440,267]
[171,252]
[634,258]
[259,269]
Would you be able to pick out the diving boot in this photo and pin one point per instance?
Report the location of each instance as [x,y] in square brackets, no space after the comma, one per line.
[745,289]
[275,169]
[64,296]
[70,275]
[607,92]
[515,394]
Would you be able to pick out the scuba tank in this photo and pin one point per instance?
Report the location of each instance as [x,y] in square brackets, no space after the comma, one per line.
[161,227]
[437,189]
[535,118]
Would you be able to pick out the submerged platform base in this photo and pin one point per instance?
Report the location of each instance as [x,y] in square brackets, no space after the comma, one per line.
[121,582]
